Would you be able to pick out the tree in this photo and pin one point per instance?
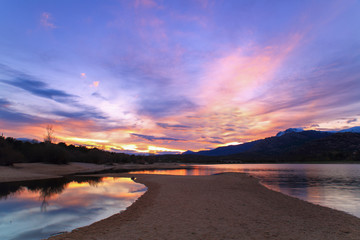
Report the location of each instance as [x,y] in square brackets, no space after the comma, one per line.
[49,137]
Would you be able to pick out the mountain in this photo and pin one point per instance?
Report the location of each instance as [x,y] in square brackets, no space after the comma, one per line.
[222,151]
[27,140]
[284,141]
[289,130]
[293,146]
[353,129]
[271,144]
[335,147]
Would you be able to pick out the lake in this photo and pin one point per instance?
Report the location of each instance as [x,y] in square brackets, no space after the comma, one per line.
[38,209]
[332,185]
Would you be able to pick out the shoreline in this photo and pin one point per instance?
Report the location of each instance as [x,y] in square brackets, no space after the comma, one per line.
[38,171]
[224,206]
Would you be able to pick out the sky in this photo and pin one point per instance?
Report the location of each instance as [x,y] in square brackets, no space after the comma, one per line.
[156,76]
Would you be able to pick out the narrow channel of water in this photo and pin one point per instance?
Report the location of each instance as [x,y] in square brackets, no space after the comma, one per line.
[34,210]
[332,185]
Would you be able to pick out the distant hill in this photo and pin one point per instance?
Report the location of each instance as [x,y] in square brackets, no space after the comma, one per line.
[289,130]
[342,146]
[272,144]
[223,151]
[353,129]
[27,140]
[292,145]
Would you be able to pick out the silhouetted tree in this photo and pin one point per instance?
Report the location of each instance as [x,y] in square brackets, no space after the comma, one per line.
[49,137]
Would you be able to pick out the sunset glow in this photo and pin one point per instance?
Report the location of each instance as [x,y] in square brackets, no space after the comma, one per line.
[154,76]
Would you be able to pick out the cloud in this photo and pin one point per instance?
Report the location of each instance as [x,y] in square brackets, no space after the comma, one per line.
[152,138]
[96,84]
[39,89]
[86,114]
[46,21]
[166,125]
[161,106]
[145,3]
[124,151]
[11,116]
[351,120]
[98,95]
[18,117]
[317,90]
[218,138]
[4,103]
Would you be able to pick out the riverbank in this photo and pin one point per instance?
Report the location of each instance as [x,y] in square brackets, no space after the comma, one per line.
[36,171]
[224,206]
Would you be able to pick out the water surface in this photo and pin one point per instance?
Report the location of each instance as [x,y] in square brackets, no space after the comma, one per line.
[38,209]
[332,185]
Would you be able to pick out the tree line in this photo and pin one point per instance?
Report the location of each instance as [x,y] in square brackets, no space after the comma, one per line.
[16,151]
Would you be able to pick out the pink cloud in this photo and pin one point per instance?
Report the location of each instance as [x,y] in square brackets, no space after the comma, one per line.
[239,76]
[96,83]
[46,21]
[203,3]
[153,22]
[145,3]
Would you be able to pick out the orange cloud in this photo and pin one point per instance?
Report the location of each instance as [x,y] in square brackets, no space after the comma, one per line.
[95,83]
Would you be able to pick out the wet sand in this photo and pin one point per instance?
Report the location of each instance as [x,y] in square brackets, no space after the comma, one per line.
[225,206]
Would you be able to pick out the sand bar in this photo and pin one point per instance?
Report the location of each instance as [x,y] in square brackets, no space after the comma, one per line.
[36,171]
[225,206]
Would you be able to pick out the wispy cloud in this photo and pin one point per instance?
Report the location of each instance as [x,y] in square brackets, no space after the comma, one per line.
[4,103]
[79,115]
[152,138]
[351,120]
[13,117]
[39,88]
[160,106]
[166,125]
[145,3]
[181,74]
[95,84]
[46,21]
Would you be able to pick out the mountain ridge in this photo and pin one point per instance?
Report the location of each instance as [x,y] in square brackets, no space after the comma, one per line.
[284,140]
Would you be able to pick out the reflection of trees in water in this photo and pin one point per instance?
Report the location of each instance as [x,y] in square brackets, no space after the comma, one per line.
[46,188]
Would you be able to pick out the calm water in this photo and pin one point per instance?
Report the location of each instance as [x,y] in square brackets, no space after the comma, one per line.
[332,185]
[38,209]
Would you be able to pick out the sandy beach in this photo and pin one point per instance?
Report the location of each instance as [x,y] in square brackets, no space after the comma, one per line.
[225,206]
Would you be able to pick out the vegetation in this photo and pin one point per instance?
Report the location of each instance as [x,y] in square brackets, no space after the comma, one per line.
[16,151]
[307,146]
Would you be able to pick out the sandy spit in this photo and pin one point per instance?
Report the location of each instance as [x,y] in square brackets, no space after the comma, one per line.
[225,206]
[35,171]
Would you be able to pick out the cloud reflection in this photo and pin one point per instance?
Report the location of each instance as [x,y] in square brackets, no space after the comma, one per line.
[41,208]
